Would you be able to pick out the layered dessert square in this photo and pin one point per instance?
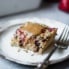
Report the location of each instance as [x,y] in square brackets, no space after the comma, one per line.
[34,37]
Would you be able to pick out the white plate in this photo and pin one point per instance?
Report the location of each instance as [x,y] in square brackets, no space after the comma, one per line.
[22,57]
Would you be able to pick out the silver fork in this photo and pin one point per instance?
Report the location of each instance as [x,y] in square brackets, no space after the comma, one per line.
[61,43]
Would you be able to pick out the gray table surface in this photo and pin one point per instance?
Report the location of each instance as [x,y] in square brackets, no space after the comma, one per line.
[50,11]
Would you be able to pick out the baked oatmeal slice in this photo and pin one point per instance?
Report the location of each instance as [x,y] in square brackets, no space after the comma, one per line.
[34,37]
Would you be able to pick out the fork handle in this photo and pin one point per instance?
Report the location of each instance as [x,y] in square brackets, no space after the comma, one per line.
[43,66]
[46,62]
